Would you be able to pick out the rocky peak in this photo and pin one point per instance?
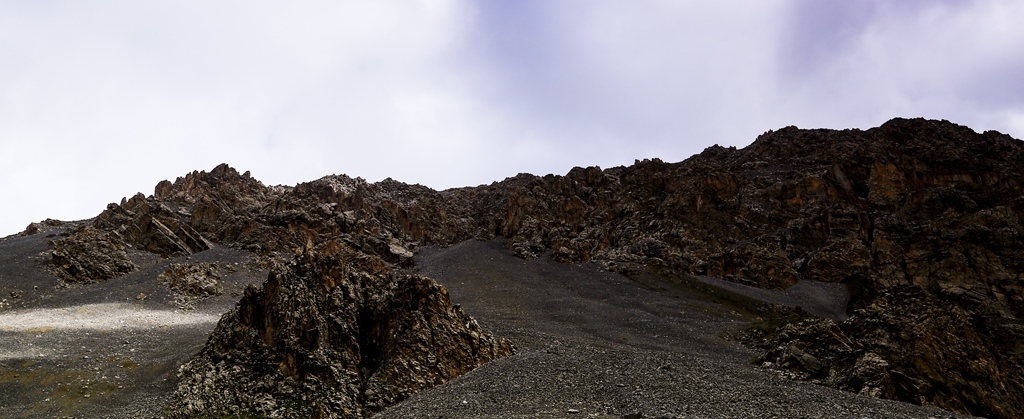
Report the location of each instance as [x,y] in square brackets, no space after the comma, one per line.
[332,334]
[223,179]
[333,188]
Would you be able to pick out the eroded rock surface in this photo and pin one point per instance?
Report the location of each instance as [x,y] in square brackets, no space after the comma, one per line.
[333,334]
[906,345]
[195,279]
[90,255]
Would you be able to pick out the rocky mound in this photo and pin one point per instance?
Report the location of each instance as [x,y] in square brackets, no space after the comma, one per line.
[44,226]
[193,279]
[905,346]
[90,255]
[333,334]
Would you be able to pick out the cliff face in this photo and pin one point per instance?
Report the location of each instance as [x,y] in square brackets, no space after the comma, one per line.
[922,220]
[877,208]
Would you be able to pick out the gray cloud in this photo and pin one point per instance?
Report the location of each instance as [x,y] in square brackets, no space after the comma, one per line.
[102,99]
[951,59]
[633,77]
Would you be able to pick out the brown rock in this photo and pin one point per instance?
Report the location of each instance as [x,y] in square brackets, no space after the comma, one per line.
[46,225]
[193,279]
[89,255]
[905,346]
[333,334]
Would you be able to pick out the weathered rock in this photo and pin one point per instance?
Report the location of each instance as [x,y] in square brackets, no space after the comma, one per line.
[153,226]
[193,279]
[838,206]
[333,334]
[906,345]
[913,204]
[46,225]
[89,255]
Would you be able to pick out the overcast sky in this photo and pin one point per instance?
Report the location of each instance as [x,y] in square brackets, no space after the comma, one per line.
[103,99]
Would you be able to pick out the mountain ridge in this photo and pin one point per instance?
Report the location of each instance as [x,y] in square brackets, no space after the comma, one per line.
[920,219]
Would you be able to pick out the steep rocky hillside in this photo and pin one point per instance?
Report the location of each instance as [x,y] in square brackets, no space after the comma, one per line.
[921,219]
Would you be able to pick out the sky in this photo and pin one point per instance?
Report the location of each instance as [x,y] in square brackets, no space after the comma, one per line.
[100,100]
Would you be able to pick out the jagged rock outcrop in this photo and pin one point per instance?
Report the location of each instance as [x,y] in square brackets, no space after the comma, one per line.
[906,345]
[89,255]
[389,219]
[929,241]
[46,225]
[152,226]
[333,334]
[814,204]
[914,205]
[839,206]
[193,279]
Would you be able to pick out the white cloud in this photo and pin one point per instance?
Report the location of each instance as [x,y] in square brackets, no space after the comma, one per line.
[606,82]
[101,99]
[952,60]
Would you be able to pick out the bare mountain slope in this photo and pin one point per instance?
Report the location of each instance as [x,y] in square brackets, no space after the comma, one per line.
[599,344]
[919,221]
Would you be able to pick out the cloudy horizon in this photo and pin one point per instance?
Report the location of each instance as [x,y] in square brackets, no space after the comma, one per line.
[103,99]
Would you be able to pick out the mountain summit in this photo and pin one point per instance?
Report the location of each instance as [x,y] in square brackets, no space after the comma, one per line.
[900,244]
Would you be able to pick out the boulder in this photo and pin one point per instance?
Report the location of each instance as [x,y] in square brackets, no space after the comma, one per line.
[193,279]
[89,255]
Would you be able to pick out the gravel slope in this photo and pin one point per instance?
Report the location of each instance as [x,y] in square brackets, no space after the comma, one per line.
[597,344]
[590,343]
[100,317]
[98,351]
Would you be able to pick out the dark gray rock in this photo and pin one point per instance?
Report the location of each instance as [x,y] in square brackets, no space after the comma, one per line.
[920,219]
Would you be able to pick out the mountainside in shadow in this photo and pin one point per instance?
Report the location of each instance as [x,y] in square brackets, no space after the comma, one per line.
[920,219]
